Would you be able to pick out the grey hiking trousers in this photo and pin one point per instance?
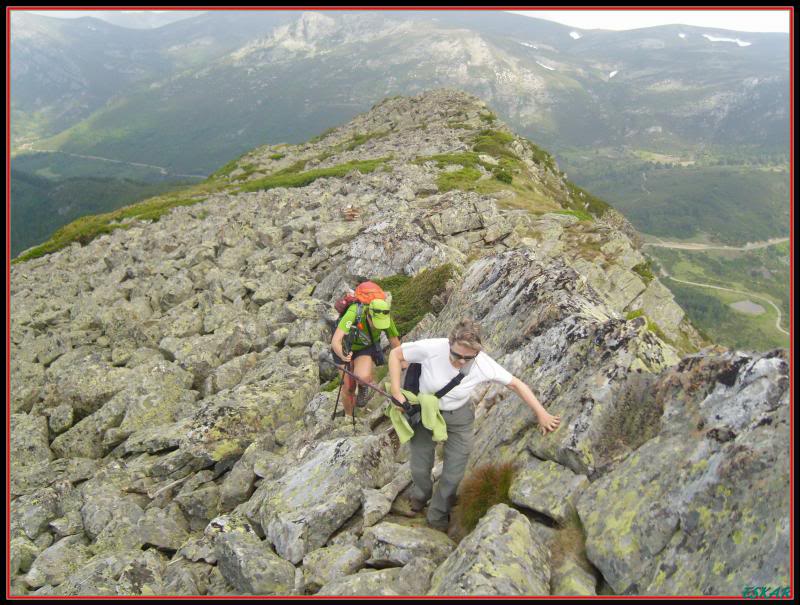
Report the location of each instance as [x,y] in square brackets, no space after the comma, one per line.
[456,453]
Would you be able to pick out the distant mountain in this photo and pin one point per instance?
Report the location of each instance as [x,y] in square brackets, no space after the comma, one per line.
[141,19]
[193,94]
[63,70]
[667,87]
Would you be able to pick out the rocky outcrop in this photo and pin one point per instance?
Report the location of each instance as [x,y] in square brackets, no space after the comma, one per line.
[172,430]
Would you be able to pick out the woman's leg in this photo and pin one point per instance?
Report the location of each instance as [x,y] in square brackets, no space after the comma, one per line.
[363,369]
[422,450]
[348,394]
[457,449]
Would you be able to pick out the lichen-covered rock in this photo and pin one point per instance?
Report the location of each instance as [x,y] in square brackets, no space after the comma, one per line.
[325,565]
[502,556]
[86,438]
[55,564]
[70,524]
[238,485]
[164,528]
[200,505]
[61,418]
[569,578]
[366,583]
[29,443]
[305,507]
[685,514]
[182,577]
[144,575]
[86,383]
[391,544]
[98,576]
[26,384]
[31,513]
[547,488]
[378,503]
[249,564]
[22,552]
[411,580]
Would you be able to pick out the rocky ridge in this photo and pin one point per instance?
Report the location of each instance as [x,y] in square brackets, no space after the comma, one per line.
[168,416]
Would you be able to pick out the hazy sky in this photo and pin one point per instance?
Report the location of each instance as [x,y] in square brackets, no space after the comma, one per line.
[739,20]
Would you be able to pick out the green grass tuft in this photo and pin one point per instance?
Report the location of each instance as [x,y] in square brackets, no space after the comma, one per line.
[645,271]
[289,178]
[493,142]
[485,487]
[412,296]
[463,179]
[584,201]
[87,228]
[580,214]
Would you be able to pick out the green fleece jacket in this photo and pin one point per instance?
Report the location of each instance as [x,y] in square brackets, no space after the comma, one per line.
[431,416]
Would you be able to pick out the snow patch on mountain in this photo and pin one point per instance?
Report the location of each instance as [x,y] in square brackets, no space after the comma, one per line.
[737,40]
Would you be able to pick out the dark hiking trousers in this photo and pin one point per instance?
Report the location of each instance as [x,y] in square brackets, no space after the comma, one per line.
[456,453]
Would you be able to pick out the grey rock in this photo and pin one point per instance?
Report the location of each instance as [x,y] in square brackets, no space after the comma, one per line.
[58,562]
[500,557]
[22,553]
[30,514]
[547,488]
[29,441]
[325,565]
[250,565]
[297,519]
[396,545]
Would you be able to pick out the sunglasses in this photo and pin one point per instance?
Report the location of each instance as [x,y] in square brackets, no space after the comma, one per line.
[381,311]
[464,357]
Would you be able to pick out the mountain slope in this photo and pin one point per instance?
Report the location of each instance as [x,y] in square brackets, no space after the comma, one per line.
[171,426]
[665,91]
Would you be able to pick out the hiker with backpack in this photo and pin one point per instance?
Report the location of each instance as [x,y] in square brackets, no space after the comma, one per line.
[356,342]
[451,368]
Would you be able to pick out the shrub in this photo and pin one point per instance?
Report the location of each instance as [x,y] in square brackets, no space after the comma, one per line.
[634,314]
[412,296]
[502,175]
[301,179]
[645,271]
[464,180]
[483,488]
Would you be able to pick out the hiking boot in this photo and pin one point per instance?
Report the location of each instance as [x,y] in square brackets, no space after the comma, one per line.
[417,505]
[362,396]
[442,525]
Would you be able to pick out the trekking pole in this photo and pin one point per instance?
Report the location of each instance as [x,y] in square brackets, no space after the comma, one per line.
[405,405]
[336,405]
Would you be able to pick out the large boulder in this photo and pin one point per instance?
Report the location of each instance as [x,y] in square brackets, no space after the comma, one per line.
[305,507]
[249,564]
[502,556]
[686,513]
[391,544]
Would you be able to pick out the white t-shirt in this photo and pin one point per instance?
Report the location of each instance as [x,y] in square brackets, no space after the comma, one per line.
[437,371]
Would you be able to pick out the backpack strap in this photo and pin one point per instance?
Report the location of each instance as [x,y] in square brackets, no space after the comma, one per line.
[411,382]
[450,385]
[413,373]
[348,340]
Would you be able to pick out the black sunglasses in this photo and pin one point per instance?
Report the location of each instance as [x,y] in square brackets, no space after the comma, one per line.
[464,357]
[381,311]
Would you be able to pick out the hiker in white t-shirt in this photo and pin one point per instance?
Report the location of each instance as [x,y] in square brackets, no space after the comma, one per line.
[442,360]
